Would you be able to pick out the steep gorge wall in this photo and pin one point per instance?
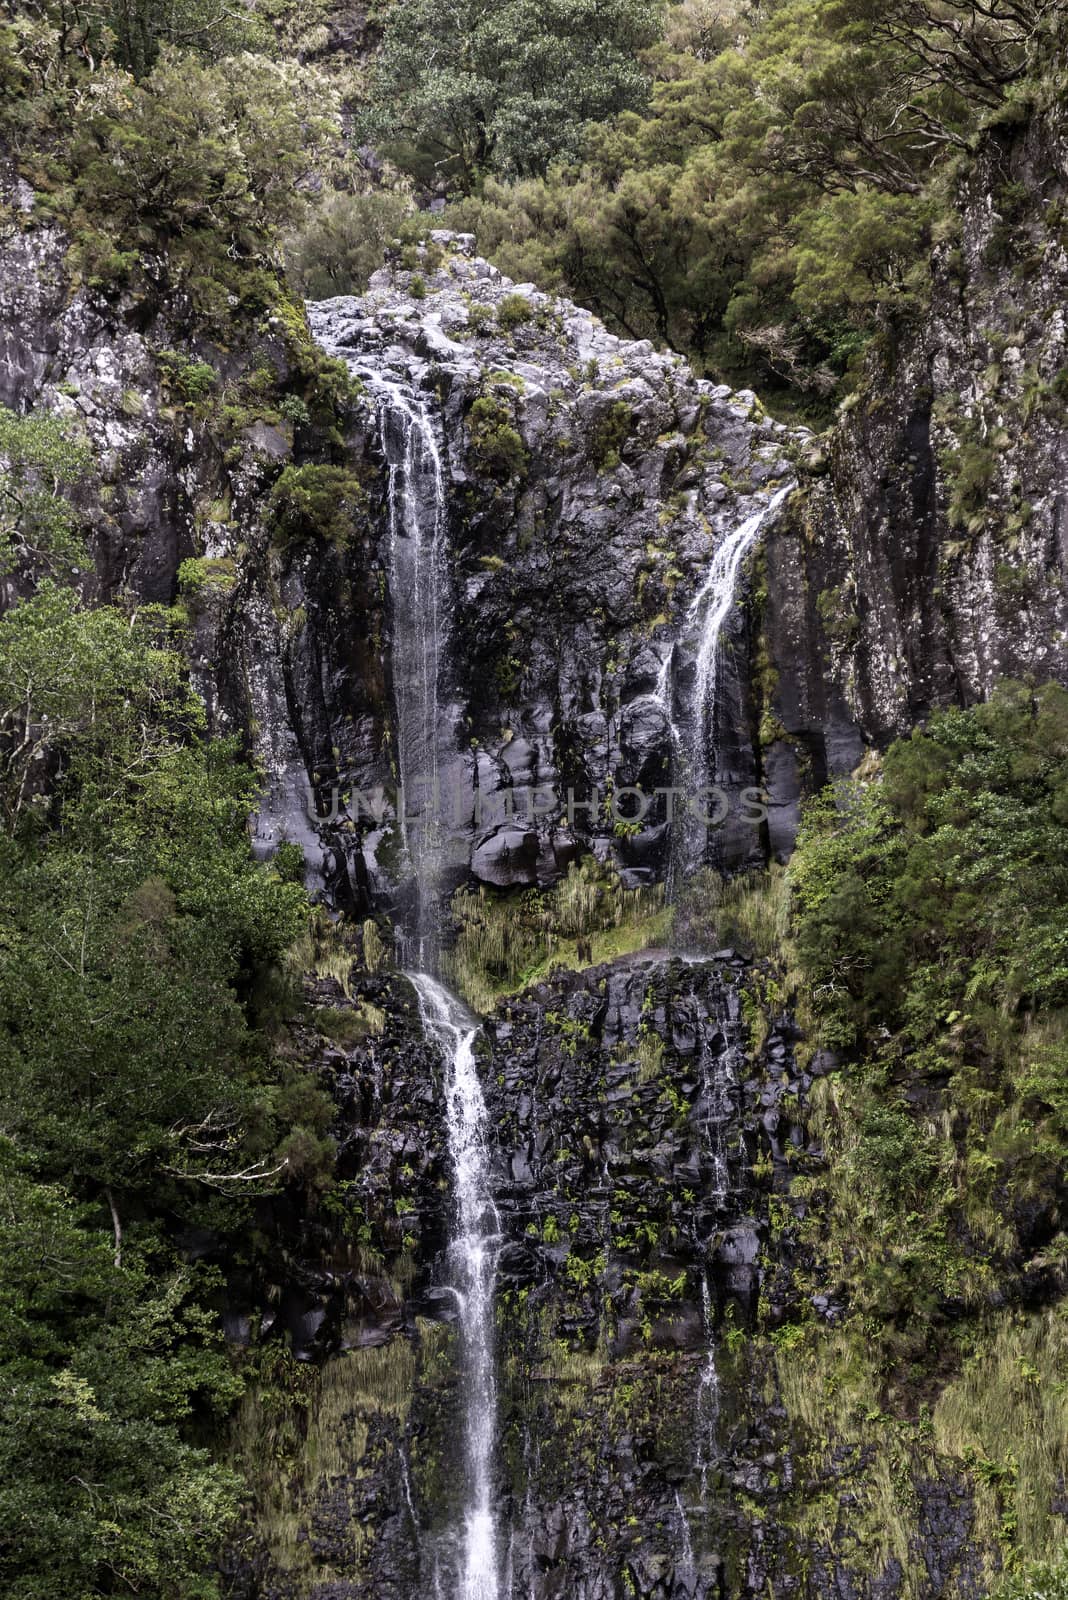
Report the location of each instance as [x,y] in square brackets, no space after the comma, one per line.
[929,555]
[586,495]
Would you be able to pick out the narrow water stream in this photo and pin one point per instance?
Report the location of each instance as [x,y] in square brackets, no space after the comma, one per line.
[469,1565]
[473,1269]
[692,719]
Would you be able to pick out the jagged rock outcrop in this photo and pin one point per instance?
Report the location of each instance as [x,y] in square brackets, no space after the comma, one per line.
[587,481]
[928,556]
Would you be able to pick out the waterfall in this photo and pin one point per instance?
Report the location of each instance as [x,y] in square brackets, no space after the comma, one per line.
[417,524]
[707,1394]
[693,731]
[685,1564]
[418,527]
[473,1260]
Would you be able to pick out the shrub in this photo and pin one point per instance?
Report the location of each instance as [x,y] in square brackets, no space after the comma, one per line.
[316,502]
[609,434]
[513,311]
[495,442]
[188,379]
[343,242]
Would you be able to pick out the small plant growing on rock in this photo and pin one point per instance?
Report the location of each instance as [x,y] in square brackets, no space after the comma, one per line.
[315,502]
[495,442]
[187,380]
[609,435]
[512,312]
[200,573]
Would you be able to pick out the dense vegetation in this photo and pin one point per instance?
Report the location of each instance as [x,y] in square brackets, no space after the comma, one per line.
[931,928]
[141,1102]
[922,930]
[759,186]
[778,195]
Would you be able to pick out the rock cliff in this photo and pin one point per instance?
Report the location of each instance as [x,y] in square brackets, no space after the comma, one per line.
[651,1118]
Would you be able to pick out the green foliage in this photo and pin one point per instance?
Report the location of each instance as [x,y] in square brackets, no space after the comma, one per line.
[506,941]
[929,923]
[496,444]
[781,186]
[512,312]
[506,87]
[345,241]
[40,459]
[133,32]
[139,1099]
[76,689]
[188,380]
[316,502]
[1040,1580]
[247,134]
[200,575]
[609,434]
[101,1363]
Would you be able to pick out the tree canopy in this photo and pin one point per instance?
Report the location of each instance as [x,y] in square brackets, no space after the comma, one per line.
[507,86]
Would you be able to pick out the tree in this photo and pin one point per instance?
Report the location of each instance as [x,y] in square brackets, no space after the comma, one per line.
[506,86]
[132,32]
[100,1368]
[40,458]
[779,188]
[133,920]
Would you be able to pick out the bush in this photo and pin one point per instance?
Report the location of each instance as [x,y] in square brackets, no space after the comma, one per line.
[930,916]
[190,380]
[343,242]
[513,311]
[609,434]
[316,502]
[496,445]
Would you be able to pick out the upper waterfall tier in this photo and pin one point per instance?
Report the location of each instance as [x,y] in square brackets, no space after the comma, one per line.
[588,483]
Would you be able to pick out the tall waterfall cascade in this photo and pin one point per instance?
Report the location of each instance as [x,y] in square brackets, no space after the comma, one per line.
[467,1565]
[474,1559]
[417,572]
[473,1262]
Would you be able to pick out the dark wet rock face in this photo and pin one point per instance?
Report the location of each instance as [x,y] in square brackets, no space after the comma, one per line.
[644,1153]
[928,557]
[587,481]
[649,1118]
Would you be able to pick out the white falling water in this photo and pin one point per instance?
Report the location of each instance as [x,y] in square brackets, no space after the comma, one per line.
[685,1564]
[473,1259]
[707,1394]
[709,610]
[693,729]
[721,1056]
[417,526]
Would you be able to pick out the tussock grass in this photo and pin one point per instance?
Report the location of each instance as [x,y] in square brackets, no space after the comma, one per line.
[505,942]
[323,949]
[829,1385]
[1007,1416]
[305,1426]
[750,912]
